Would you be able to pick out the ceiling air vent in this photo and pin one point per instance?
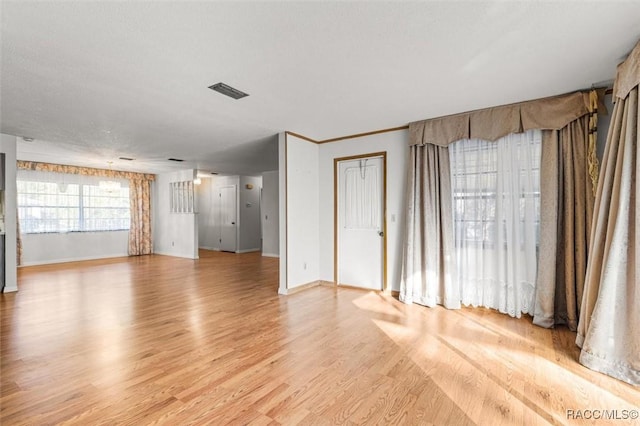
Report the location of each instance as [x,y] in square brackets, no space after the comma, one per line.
[228,91]
[176,159]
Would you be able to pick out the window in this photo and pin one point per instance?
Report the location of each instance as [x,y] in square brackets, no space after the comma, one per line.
[103,210]
[71,207]
[496,200]
[48,207]
[485,178]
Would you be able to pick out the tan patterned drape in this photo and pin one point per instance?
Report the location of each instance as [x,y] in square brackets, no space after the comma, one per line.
[566,212]
[427,261]
[140,231]
[491,124]
[609,327]
[140,241]
[85,171]
[569,177]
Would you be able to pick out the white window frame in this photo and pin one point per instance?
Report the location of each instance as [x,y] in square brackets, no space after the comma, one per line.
[82,182]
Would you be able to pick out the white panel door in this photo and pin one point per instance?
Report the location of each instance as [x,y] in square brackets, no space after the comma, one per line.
[360,222]
[228,218]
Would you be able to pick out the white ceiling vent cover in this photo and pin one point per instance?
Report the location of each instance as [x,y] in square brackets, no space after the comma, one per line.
[228,91]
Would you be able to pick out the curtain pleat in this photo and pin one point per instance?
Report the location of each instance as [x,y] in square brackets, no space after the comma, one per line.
[609,326]
[427,267]
[566,214]
[140,230]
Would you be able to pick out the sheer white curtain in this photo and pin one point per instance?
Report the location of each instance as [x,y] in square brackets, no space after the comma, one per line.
[496,203]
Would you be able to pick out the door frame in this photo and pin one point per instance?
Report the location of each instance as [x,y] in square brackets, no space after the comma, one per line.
[336,161]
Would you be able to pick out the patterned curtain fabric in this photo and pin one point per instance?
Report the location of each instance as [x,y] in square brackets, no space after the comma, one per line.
[609,326]
[140,231]
[567,200]
[86,171]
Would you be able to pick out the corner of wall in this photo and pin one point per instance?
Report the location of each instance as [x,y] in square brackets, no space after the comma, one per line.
[282,211]
[8,147]
[302,211]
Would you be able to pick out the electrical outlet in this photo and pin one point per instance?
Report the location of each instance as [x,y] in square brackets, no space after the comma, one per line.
[304,266]
[172,244]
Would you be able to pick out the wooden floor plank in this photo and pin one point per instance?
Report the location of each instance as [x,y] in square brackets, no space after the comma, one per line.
[162,340]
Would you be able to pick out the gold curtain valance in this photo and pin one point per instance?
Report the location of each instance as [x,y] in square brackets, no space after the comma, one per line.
[493,123]
[86,171]
[628,75]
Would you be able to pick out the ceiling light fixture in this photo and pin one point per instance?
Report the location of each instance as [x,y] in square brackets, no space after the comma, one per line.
[27,139]
[227,90]
[179,160]
[126,158]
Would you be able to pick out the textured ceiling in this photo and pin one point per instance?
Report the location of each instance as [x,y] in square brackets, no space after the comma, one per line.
[93,81]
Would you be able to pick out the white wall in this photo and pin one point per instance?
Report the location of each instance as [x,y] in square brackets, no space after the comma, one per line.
[270,216]
[8,147]
[397,148]
[174,234]
[302,216]
[249,214]
[38,249]
[282,212]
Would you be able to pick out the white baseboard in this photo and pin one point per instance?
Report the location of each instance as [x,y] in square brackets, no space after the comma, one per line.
[209,248]
[184,256]
[248,250]
[72,259]
[270,254]
[10,289]
[296,289]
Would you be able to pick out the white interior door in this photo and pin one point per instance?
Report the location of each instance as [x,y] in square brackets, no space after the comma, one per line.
[228,218]
[360,222]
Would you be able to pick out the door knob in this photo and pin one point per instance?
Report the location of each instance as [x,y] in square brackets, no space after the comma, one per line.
[233,223]
[381,233]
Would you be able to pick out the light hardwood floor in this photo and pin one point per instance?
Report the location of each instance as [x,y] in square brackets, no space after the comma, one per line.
[161,340]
